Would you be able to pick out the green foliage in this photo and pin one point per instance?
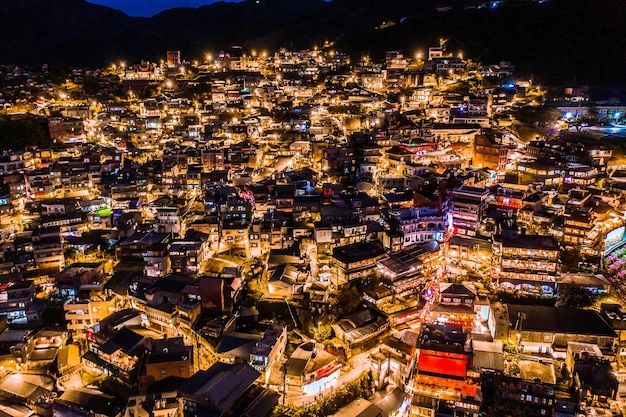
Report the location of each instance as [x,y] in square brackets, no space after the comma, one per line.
[322,332]
[472,86]
[115,388]
[570,258]
[537,115]
[90,86]
[26,130]
[347,301]
[289,349]
[151,90]
[340,397]
[574,296]
[502,409]
[509,346]
[509,297]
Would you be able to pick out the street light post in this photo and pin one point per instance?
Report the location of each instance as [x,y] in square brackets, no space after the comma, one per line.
[284,381]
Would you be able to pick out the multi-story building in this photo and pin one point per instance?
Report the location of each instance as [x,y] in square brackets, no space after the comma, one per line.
[169,220]
[466,208]
[219,294]
[469,251]
[541,329]
[526,262]
[419,224]
[40,183]
[14,162]
[268,350]
[217,392]
[78,274]
[158,299]
[17,302]
[63,129]
[157,260]
[48,249]
[188,256]
[489,152]
[590,222]
[165,358]
[162,404]
[456,305]
[188,309]
[119,355]
[392,363]
[356,261]
[579,175]
[444,383]
[532,392]
[143,246]
[83,315]
[406,271]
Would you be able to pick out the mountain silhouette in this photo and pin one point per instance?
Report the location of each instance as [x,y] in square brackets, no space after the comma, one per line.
[147,8]
[557,41]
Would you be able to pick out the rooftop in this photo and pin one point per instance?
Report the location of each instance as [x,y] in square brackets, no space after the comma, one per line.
[220,385]
[535,370]
[269,340]
[358,252]
[560,320]
[530,242]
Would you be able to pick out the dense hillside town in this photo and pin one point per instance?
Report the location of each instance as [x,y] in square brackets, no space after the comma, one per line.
[299,233]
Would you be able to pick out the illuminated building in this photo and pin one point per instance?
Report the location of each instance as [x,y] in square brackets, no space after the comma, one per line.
[470,251]
[444,382]
[542,329]
[526,262]
[268,350]
[356,261]
[532,392]
[16,302]
[489,152]
[467,208]
[85,314]
[419,224]
[408,270]
[456,305]
[173,58]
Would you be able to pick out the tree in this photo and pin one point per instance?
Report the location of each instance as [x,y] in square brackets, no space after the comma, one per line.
[503,408]
[26,130]
[90,86]
[570,258]
[539,116]
[574,296]
[348,301]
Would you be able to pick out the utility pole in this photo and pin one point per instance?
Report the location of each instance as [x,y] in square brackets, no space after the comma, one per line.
[518,328]
[284,382]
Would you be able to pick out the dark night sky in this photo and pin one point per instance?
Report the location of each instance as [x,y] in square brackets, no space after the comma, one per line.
[150,7]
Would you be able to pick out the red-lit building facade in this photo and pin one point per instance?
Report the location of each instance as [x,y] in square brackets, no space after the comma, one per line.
[444,383]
